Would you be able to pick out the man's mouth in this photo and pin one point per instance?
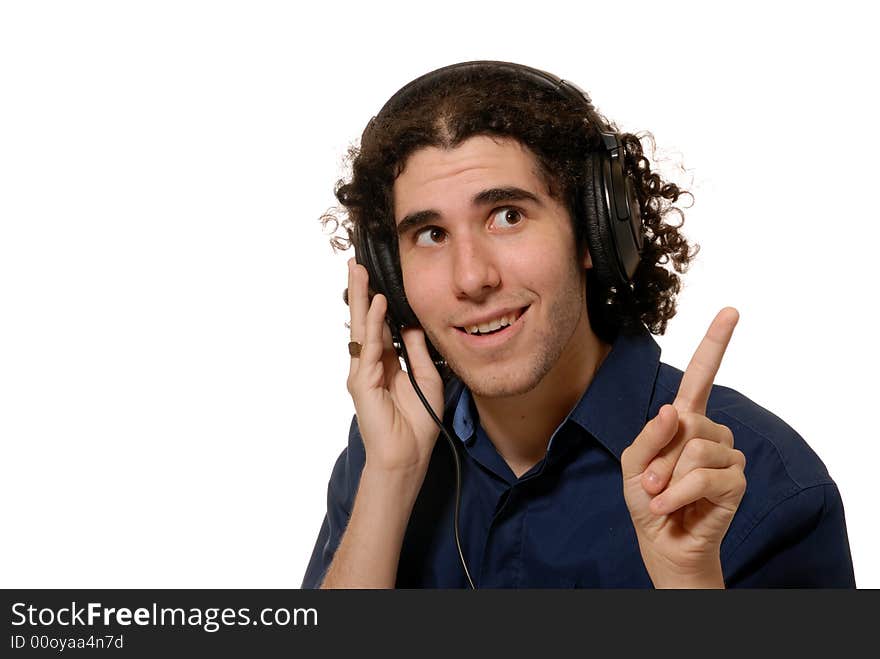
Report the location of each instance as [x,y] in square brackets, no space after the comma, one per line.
[494,325]
[493,332]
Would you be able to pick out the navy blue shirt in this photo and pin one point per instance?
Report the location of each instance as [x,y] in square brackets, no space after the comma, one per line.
[564,523]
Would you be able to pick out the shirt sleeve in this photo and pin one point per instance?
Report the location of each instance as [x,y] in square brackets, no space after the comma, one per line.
[801,542]
[340,501]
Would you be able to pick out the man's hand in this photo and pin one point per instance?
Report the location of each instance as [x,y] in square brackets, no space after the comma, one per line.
[397,431]
[398,435]
[682,478]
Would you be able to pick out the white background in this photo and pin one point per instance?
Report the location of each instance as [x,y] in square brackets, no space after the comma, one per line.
[172,347]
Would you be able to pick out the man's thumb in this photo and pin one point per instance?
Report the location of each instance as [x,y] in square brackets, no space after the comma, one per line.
[417,351]
[656,434]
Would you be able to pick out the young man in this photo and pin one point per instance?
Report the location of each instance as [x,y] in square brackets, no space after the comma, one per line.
[584,460]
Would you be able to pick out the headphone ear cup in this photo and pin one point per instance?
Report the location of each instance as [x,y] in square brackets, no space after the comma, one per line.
[375,256]
[381,262]
[599,239]
[390,279]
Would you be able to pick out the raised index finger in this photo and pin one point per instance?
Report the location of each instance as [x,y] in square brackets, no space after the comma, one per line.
[358,300]
[693,393]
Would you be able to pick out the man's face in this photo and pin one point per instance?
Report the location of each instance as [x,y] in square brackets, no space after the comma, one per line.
[483,251]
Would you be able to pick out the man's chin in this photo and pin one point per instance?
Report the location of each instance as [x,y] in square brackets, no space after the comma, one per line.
[493,379]
[495,384]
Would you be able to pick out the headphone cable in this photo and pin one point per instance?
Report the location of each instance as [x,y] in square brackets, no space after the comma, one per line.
[452,446]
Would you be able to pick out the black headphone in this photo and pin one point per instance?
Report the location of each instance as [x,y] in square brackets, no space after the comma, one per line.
[612,219]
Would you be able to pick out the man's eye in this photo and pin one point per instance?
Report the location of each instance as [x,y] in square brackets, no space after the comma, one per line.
[430,236]
[508,217]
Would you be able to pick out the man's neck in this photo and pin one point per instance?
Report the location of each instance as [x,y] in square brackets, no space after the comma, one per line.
[520,426]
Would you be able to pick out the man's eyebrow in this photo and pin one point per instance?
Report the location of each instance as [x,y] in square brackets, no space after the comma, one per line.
[484,198]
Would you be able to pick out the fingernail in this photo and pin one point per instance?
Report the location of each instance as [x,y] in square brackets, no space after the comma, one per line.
[652,478]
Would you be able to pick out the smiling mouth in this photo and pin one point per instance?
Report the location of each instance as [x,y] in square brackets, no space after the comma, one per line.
[488,332]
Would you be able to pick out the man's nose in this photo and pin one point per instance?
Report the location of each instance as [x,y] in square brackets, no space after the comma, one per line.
[475,270]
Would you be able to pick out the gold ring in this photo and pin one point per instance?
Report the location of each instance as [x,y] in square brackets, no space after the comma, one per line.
[354,348]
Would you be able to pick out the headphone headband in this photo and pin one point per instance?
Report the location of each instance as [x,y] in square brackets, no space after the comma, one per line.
[537,76]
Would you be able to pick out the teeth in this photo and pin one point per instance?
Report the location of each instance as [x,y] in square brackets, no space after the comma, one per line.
[492,324]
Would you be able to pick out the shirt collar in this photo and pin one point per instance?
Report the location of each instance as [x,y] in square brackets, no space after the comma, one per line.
[614,408]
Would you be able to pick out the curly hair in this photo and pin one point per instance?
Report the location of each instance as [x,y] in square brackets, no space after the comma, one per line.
[561,135]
